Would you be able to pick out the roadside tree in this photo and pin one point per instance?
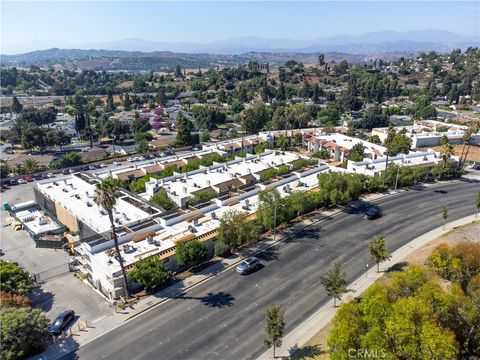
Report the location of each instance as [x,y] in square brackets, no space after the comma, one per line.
[335,283]
[150,273]
[191,252]
[378,251]
[274,328]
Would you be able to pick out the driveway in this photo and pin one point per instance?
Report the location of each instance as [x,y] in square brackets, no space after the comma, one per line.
[61,290]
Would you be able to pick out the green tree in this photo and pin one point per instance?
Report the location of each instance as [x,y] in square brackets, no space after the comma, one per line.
[254,118]
[127,102]
[444,214]
[67,160]
[235,230]
[274,328]
[162,199]
[378,251]
[282,142]
[270,209]
[191,252]
[184,133]
[405,316]
[105,196]
[335,283]
[24,332]
[16,107]
[459,263]
[356,153]
[4,169]
[150,273]
[15,280]
[29,166]
[204,136]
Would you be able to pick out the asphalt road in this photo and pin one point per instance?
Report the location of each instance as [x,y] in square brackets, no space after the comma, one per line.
[223,317]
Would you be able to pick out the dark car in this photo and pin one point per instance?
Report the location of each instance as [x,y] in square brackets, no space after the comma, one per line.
[372,213]
[13,182]
[61,322]
[65,172]
[247,265]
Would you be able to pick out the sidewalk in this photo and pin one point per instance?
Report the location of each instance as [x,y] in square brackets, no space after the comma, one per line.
[107,323]
[103,325]
[299,336]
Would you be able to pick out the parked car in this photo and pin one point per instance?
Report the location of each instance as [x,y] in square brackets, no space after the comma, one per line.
[37,176]
[21,181]
[475,166]
[28,178]
[131,159]
[92,167]
[117,163]
[102,165]
[65,172]
[13,182]
[372,213]
[247,265]
[61,322]
[51,175]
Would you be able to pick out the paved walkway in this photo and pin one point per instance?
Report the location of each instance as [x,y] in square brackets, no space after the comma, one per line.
[299,336]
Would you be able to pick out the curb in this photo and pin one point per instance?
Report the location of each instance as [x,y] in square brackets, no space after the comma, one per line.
[334,213]
[321,317]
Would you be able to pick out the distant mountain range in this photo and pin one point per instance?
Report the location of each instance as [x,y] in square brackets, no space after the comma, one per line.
[365,44]
[142,55]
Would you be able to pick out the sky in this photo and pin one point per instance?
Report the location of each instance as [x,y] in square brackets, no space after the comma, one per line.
[39,24]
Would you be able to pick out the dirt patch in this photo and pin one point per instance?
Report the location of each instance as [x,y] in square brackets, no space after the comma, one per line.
[470,232]
[473,152]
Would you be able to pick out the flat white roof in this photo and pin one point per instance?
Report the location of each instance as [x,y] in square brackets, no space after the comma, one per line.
[76,196]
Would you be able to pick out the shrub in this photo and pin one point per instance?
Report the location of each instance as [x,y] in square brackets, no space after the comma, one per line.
[14,279]
[150,273]
[191,252]
[221,249]
[161,199]
[13,300]
[23,332]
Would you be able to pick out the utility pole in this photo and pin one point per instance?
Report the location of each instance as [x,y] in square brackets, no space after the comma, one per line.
[396,180]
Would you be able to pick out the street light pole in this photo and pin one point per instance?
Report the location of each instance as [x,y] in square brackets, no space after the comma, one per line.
[274,221]
[396,180]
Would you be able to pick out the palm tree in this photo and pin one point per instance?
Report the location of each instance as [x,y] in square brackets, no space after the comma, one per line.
[29,166]
[105,197]
[467,140]
[447,150]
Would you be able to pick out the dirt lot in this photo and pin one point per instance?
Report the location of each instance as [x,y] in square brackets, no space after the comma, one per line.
[315,348]
[473,152]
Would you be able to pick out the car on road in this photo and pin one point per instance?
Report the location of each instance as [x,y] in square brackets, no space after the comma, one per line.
[61,322]
[372,213]
[247,265]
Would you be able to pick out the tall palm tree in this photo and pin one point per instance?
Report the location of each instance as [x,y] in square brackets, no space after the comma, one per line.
[447,152]
[105,196]
[29,166]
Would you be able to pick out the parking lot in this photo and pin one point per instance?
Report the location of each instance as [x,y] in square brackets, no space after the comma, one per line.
[61,290]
